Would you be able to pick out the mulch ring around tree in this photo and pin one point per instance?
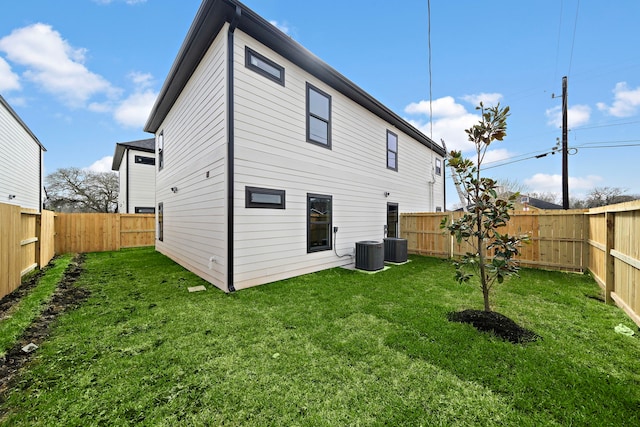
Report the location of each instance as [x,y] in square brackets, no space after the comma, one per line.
[496,323]
[67,296]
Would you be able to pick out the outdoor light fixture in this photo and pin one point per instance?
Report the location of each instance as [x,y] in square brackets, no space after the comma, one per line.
[387,194]
[174,189]
[12,196]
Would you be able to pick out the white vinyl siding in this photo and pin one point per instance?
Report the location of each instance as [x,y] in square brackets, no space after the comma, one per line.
[20,167]
[272,152]
[195,227]
[142,182]
[139,178]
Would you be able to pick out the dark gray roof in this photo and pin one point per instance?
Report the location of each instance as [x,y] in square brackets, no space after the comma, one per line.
[19,120]
[208,22]
[147,145]
[541,204]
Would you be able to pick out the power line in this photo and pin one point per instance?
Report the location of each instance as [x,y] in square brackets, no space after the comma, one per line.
[573,39]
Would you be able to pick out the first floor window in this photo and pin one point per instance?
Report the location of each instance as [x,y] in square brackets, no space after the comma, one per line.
[319,221]
[160,221]
[266,198]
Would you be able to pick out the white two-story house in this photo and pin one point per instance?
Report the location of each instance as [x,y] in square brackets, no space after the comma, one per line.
[270,163]
[135,163]
[21,157]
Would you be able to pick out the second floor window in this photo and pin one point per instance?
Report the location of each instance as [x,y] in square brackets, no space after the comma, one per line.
[318,117]
[161,150]
[392,151]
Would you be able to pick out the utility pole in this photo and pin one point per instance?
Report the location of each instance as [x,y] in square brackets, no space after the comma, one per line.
[565,149]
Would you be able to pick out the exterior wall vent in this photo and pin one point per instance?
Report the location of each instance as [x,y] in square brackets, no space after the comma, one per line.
[395,250]
[369,255]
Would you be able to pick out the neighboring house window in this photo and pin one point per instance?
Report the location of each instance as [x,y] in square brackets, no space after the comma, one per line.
[262,65]
[319,220]
[145,210]
[438,209]
[161,150]
[318,117]
[161,221]
[143,160]
[264,198]
[438,167]
[392,151]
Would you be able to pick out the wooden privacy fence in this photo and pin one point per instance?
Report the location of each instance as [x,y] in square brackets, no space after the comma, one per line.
[98,232]
[557,238]
[614,254]
[26,243]
[605,241]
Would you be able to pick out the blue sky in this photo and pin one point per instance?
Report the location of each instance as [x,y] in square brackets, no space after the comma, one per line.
[84,76]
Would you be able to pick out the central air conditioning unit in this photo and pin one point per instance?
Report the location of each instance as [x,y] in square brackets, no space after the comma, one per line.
[369,255]
[395,250]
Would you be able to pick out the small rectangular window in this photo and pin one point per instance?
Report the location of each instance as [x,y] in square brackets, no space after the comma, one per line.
[265,198]
[161,150]
[438,167]
[392,151]
[160,221]
[145,210]
[319,222]
[264,66]
[318,117]
[144,160]
[438,209]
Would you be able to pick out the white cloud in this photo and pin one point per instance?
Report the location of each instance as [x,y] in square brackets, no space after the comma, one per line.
[134,111]
[626,101]
[488,99]
[54,64]
[102,165]
[451,119]
[497,155]
[141,80]
[282,26]
[577,115]
[442,107]
[8,79]
[545,183]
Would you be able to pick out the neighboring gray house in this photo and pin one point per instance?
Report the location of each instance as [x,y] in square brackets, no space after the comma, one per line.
[135,162]
[21,167]
[270,163]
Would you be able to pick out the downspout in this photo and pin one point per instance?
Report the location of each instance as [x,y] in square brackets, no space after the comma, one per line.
[40,201]
[126,190]
[231,149]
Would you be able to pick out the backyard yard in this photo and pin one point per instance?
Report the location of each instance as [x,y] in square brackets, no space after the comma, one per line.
[333,348]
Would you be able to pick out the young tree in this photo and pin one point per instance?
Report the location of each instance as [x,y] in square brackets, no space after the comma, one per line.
[487,212]
[80,190]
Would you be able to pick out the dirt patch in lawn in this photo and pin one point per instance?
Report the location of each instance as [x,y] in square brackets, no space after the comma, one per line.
[67,296]
[496,323]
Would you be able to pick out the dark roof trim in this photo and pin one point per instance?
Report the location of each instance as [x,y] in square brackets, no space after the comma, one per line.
[207,24]
[19,120]
[147,145]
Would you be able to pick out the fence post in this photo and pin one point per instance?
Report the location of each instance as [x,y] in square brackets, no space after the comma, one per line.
[451,238]
[609,277]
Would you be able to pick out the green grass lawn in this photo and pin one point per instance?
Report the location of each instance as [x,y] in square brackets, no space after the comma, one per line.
[333,348]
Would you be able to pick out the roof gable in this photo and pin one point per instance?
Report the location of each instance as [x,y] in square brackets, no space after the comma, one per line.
[148,145]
